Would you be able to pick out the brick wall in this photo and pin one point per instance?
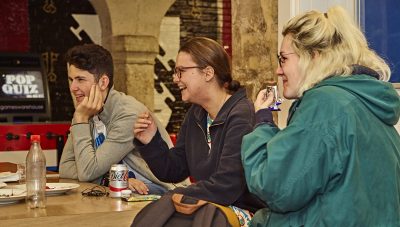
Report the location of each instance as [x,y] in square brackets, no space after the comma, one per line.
[227,26]
[14,28]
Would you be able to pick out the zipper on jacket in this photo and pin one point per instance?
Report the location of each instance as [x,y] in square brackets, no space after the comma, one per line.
[205,136]
[213,125]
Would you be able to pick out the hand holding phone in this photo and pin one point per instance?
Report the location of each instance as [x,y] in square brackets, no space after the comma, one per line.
[277,99]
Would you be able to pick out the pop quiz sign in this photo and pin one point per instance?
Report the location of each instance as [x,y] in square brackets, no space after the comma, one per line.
[21,85]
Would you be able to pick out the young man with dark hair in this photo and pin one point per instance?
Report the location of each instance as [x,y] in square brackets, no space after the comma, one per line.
[101,129]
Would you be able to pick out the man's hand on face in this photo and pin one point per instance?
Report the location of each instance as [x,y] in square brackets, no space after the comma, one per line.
[89,106]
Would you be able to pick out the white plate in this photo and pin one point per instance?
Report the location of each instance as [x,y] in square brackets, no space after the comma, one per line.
[60,188]
[54,188]
[11,195]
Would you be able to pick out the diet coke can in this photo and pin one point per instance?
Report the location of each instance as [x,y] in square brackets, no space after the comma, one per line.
[118,179]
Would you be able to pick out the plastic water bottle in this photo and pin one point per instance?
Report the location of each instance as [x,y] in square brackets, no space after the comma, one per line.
[35,175]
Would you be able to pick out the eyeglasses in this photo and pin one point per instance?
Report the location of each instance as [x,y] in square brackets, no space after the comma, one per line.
[282,58]
[178,70]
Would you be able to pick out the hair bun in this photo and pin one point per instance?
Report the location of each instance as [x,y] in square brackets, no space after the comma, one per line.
[234,85]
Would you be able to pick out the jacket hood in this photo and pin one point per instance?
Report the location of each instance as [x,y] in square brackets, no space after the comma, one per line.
[378,96]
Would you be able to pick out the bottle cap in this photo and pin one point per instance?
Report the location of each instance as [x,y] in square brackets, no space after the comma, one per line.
[35,138]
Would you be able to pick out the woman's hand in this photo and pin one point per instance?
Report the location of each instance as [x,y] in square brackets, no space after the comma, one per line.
[263,100]
[138,186]
[145,128]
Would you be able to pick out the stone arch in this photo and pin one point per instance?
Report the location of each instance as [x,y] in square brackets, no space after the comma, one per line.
[130,30]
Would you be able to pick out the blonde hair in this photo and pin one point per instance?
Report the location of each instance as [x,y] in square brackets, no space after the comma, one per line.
[330,44]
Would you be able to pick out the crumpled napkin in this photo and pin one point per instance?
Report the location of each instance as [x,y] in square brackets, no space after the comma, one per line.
[8,177]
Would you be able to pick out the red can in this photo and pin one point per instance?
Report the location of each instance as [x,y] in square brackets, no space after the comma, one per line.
[118,179]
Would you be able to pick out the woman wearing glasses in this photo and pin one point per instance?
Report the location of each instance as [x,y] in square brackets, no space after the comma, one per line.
[337,163]
[208,144]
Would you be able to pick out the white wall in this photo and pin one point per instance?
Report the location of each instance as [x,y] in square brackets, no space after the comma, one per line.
[90,24]
[169,41]
[20,156]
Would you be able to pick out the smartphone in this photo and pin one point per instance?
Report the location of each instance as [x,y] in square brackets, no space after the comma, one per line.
[274,90]
[277,100]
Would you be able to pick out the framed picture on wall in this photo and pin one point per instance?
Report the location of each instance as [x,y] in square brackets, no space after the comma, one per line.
[379,19]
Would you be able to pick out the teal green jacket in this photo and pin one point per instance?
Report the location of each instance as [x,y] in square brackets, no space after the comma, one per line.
[337,163]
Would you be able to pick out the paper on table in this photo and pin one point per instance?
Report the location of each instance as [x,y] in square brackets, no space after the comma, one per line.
[140,198]
[8,177]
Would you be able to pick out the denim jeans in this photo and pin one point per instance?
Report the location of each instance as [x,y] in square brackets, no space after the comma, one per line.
[156,189]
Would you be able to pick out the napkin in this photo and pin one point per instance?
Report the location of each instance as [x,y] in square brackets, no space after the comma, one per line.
[8,177]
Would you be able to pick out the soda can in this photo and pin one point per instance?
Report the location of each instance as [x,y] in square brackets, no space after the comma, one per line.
[118,179]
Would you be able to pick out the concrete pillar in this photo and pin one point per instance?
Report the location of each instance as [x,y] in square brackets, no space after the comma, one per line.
[134,66]
[133,41]
[254,43]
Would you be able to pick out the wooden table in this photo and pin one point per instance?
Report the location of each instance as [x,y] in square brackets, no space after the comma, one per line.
[72,210]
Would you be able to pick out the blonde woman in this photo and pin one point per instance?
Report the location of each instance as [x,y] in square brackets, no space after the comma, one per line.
[337,163]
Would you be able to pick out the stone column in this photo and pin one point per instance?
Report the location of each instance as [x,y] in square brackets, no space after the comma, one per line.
[130,30]
[254,43]
[134,62]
